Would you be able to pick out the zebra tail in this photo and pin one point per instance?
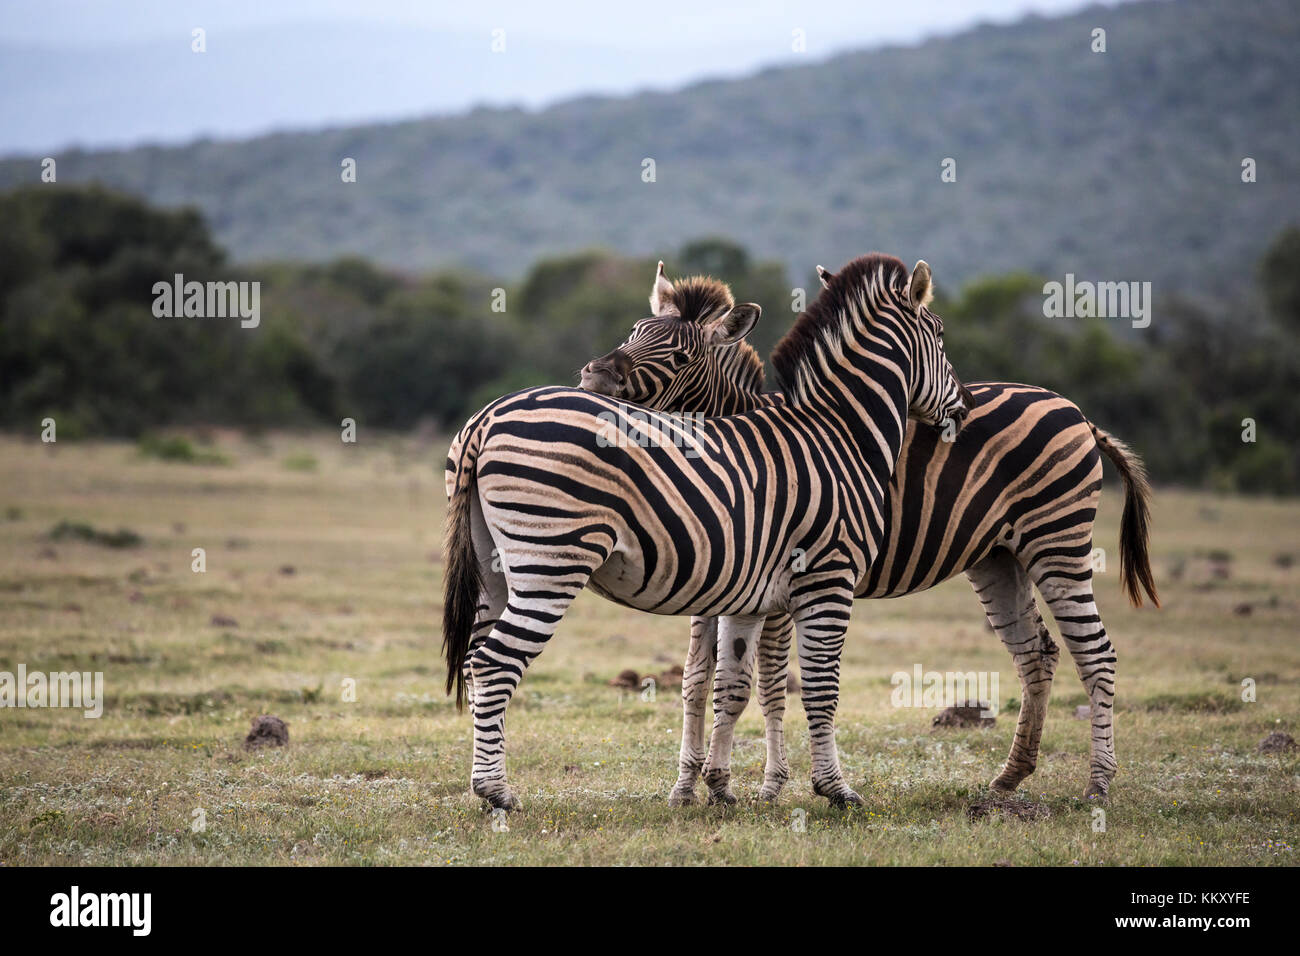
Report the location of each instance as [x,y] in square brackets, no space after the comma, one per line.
[462,578]
[1134,555]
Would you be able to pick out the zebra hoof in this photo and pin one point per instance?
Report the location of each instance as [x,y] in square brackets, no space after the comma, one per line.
[722,797]
[839,794]
[681,797]
[769,794]
[1096,793]
[847,798]
[1006,783]
[498,795]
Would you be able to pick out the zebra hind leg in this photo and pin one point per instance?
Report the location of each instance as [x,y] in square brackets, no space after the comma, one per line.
[773,666]
[492,601]
[1007,594]
[732,683]
[697,677]
[1068,592]
[533,610]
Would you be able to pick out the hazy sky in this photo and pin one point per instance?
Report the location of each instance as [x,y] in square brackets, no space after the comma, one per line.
[119,72]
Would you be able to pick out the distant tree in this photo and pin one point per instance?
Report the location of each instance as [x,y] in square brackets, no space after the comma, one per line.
[427,351]
[1279,273]
[714,256]
[79,341]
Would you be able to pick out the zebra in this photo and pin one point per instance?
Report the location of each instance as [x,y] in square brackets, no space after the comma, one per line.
[1011,503]
[546,500]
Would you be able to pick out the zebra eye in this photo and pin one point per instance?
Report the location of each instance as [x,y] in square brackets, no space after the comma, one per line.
[678,358]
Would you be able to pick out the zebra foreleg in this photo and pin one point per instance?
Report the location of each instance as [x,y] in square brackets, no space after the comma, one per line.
[1005,591]
[732,683]
[820,625]
[773,666]
[697,678]
[1068,592]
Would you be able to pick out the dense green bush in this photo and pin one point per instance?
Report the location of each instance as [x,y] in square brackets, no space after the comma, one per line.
[79,342]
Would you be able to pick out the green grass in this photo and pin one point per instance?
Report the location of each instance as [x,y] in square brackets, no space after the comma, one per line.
[178,448]
[334,574]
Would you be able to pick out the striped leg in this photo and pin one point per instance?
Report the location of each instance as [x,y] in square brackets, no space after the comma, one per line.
[1066,585]
[533,610]
[819,626]
[491,604]
[492,599]
[732,683]
[1005,591]
[773,665]
[697,678]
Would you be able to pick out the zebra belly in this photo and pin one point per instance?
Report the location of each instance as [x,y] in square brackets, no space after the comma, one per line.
[620,580]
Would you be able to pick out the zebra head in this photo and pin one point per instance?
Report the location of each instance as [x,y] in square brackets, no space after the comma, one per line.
[873,307]
[938,395]
[674,360]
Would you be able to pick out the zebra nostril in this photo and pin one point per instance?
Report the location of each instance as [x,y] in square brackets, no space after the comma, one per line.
[604,369]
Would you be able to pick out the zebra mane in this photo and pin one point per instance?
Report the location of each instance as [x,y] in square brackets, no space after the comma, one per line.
[824,324]
[697,299]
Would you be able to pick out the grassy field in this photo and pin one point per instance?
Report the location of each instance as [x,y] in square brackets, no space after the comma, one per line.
[323,566]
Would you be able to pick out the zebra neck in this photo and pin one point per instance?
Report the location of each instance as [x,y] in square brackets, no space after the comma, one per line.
[733,399]
[738,384]
[862,409]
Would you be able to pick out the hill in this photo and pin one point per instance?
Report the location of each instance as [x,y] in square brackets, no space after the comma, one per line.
[1118,165]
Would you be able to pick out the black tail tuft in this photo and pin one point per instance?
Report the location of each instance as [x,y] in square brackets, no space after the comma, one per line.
[462,582]
[1134,556]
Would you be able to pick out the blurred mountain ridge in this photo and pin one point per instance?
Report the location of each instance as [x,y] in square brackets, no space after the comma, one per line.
[1122,165]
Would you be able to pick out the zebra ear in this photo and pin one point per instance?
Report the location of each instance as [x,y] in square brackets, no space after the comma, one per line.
[660,292]
[920,289]
[733,326]
[825,276]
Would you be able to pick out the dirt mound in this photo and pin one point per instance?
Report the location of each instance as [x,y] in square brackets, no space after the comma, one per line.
[631,680]
[268,731]
[1277,743]
[970,714]
[672,677]
[627,680]
[1007,805]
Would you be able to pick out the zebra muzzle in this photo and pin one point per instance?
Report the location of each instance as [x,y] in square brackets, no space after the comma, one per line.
[606,375]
